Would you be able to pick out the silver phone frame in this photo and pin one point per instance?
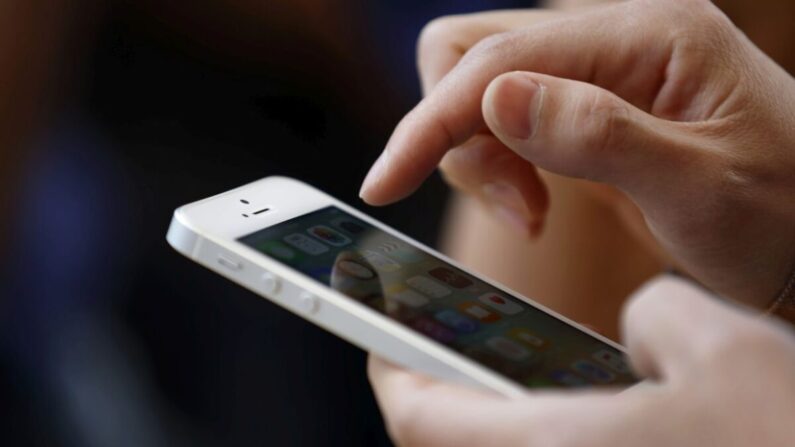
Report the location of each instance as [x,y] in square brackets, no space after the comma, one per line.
[206,231]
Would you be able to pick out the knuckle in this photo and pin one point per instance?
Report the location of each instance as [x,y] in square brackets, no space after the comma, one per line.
[731,182]
[606,123]
[689,11]
[703,30]
[439,32]
[741,175]
[438,29]
[736,179]
[494,45]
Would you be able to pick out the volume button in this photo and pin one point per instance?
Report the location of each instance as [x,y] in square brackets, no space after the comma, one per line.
[270,283]
[307,303]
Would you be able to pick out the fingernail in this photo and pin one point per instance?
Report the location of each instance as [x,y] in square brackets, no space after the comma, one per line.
[518,107]
[509,205]
[374,175]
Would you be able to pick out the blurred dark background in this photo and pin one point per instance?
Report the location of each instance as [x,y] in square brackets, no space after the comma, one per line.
[125,110]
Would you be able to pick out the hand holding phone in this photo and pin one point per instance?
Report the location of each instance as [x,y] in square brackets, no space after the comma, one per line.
[702,358]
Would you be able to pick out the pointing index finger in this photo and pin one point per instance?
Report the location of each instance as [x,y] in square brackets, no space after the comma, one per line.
[452,112]
[418,144]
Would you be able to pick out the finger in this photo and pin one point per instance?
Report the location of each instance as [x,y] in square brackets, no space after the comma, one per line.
[669,323]
[444,41]
[580,130]
[421,411]
[452,112]
[484,168]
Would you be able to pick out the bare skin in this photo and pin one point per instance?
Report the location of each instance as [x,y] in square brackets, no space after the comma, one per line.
[737,241]
[683,340]
[621,253]
[675,161]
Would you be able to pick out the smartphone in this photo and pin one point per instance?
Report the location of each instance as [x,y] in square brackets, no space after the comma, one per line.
[388,294]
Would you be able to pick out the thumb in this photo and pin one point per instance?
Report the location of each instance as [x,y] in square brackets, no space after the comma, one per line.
[580,130]
[670,323]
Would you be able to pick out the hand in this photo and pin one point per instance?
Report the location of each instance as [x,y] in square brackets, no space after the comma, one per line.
[483,167]
[716,376]
[667,101]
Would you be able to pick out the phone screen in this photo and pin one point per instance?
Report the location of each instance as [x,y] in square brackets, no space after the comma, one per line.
[436,299]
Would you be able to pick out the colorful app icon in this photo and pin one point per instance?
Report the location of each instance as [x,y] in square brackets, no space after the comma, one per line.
[450,277]
[380,262]
[305,244]
[356,270]
[498,302]
[479,312]
[348,225]
[613,360]
[568,378]
[407,296]
[428,286]
[433,329]
[591,371]
[507,348]
[329,236]
[277,250]
[456,321]
[400,251]
[528,338]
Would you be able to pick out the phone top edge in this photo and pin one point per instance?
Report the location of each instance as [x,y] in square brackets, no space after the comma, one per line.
[180,236]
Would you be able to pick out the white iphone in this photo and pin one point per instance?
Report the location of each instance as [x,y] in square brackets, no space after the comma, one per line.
[388,294]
